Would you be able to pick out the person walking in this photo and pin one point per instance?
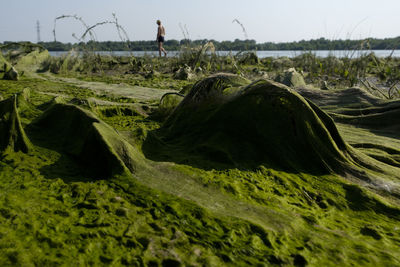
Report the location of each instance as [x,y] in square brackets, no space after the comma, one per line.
[160,38]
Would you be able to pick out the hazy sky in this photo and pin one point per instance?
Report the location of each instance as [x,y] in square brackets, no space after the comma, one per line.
[264,20]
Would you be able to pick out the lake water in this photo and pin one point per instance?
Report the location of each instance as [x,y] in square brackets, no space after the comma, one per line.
[260,54]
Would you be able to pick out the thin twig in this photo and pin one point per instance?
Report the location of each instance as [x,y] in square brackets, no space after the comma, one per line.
[243,28]
[391,88]
[92,27]
[368,85]
[92,34]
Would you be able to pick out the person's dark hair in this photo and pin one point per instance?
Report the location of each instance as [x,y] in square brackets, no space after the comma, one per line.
[158,22]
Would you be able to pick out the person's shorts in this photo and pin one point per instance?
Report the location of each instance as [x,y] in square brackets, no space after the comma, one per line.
[160,39]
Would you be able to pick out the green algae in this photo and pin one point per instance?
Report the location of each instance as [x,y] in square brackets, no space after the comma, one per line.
[195,211]
[161,82]
[104,223]
[122,222]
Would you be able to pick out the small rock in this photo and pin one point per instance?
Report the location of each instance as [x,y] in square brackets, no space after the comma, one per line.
[11,75]
[249,58]
[325,86]
[117,199]
[184,73]
[152,74]
[291,78]
[282,62]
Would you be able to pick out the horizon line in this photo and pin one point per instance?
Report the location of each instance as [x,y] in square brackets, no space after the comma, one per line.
[205,39]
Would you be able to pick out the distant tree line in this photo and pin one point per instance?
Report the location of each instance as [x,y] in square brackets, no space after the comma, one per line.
[236,45]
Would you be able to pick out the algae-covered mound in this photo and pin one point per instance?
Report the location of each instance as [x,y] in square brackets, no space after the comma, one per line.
[264,123]
[249,58]
[10,74]
[212,88]
[347,101]
[12,135]
[32,61]
[25,56]
[79,133]
[383,119]
[4,64]
[215,87]
[359,108]
[291,78]
[169,102]
[2,60]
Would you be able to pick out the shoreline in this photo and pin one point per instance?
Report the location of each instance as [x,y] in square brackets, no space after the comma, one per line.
[260,54]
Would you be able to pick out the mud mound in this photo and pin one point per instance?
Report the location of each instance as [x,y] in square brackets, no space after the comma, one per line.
[12,135]
[94,144]
[264,123]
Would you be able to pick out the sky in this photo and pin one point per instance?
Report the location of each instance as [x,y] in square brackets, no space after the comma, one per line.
[264,20]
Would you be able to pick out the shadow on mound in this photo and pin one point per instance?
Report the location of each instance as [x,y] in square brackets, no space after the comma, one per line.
[76,133]
[12,135]
[265,123]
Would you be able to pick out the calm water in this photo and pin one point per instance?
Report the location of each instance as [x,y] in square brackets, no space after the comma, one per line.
[260,54]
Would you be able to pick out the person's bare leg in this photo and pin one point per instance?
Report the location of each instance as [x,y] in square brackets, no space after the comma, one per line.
[159,48]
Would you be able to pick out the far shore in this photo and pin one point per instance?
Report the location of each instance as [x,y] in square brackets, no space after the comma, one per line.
[260,54]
